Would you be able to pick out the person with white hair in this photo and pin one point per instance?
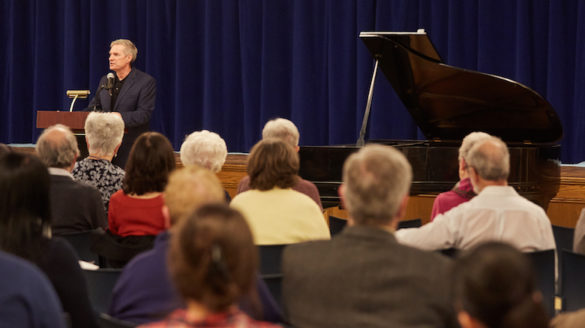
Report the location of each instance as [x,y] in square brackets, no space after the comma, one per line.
[75,206]
[497,213]
[204,148]
[127,91]
[463,190]
[285,130]
[103,135]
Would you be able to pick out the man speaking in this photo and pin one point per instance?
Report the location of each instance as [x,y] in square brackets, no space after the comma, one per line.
[129,92]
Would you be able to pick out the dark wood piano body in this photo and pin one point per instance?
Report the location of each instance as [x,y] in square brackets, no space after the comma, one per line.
[447,103]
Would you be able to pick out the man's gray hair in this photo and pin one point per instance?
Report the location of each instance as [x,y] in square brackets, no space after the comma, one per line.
[104,132]
[490,158]
[57,146]
[469,141]
[377,178]
[130,48]
[283,129]
[204,148]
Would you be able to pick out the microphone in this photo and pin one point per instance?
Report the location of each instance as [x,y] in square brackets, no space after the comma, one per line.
[110,82]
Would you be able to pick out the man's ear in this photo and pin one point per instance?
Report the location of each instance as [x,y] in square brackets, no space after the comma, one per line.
[166,216]
[341,193]
[467,321]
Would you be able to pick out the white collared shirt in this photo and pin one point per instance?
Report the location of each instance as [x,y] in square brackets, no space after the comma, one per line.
[497,213]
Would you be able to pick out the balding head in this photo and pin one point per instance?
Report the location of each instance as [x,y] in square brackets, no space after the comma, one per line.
[57,147]
[376,181]
[490,159]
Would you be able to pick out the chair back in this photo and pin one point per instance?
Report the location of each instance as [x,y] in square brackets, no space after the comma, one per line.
[563,237]
[336,225]
[405,224]
[270,258]
[572,280]
[81,243]
[100,285]
[543,263]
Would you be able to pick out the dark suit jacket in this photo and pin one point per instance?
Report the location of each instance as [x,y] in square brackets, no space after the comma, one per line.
[75,206]
[365,278]
[135,102]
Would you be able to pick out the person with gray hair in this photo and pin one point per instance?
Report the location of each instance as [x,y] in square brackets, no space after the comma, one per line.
[75,206]
[497,213]
[463,190]
[127,91]
[285,130]
[204,148]
[103,135]
[363,276]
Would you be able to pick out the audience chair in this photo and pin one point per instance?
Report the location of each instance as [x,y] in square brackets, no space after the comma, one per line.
[100,285]
[270,259]
[414,223]
[563,237]
[336,225]
[274,284]
[572,280]
[543,263]
[81,243]
[107,321]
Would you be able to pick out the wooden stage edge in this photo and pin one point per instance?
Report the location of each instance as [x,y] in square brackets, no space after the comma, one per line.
[563,210]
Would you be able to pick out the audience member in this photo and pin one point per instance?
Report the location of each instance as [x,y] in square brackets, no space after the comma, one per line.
[135,214]
[574,319]
[498,212]
[27,299]
[144,292]
[463,190]
[495,288]
[206,149]
[285,130]
[363,277]
[103,135]
[276,213]
[74,206]
[25,231]
[212,261]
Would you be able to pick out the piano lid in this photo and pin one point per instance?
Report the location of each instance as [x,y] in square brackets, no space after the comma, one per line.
[449,102]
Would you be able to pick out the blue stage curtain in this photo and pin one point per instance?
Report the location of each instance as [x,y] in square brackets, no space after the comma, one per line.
[230,65]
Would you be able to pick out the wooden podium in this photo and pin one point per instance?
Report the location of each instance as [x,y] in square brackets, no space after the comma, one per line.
[74,120]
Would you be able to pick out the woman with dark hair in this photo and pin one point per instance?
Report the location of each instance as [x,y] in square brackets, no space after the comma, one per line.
[135,212]
[212,262]
[25,231]
[495,288]
[276,213]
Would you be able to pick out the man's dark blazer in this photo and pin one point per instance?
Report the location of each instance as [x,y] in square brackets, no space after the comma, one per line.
[135,102]
[364,278]
[75,206]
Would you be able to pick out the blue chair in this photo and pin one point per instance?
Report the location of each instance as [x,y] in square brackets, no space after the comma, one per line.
[336,225]
[543,263]
[274,284]
[572,280]
[270,259]
[100,285]
[106,321]
[563,237]
[81,243]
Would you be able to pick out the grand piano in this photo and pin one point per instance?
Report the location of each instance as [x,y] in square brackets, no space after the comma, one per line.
[447,103]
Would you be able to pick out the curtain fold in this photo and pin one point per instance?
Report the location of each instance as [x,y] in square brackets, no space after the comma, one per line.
[229,66]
